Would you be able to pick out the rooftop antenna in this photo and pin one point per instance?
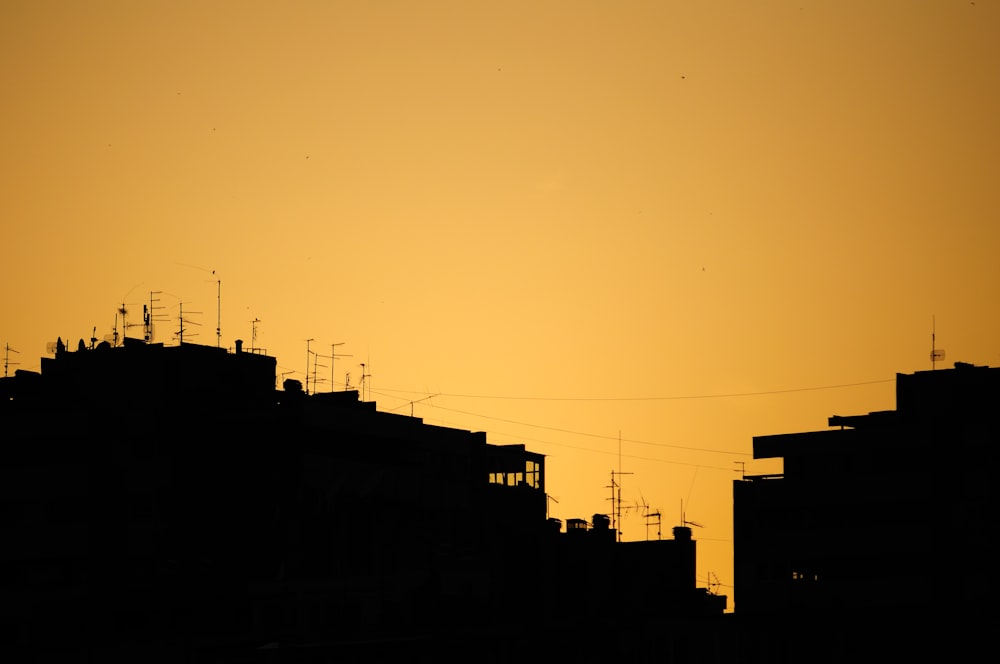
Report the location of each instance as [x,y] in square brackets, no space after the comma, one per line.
[429,396]
[180,323]
[93,338]
[685,522]
[616,492]
[147,324]
[649,516]
[713,583]
[308,341]
[180,328]
[218,318]
[363,377]
[316,365]
[123,310]
[333,356]
[253,333]
[937,354]
[6,358]
[148,316]
[218,284]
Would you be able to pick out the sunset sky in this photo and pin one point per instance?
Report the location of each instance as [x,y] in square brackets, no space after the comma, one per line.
[629,235]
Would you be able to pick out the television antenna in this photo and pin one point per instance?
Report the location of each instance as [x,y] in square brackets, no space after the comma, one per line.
[713,583]
[616,492]
[113,337]
[123,310]
[429,396]
[6,358]
[937,354]
[218,284]
[180,328]
[684,520]
[316,366]
[253,333]
[308,355]
[616,502]
[218,318]
[363,377]
[333,357]
[651,518]
[549,497]
[149,316]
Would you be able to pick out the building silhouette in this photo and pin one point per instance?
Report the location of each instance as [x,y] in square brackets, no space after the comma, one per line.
[878,538]
[169,503]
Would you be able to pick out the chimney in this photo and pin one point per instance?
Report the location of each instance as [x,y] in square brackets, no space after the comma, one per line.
[239,345]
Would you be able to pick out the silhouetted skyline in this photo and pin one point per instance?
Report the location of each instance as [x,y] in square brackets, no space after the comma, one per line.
[208,515]
[566,224]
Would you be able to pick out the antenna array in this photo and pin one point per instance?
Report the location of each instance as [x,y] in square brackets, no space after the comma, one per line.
[6,358]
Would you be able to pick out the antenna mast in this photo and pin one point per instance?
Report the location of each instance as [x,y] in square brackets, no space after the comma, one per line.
[616,492]
[650,516]
[363,376]
[180,319]
[936,355]
[218,319]
[6,358]
[149,316]
[316,366]
[180,323]
[308,341]
[684,520]
[334,355]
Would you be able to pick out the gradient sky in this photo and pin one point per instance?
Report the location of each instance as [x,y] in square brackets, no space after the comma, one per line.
[629,235]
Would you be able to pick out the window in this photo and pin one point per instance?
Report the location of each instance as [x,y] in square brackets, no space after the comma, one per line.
[532,474]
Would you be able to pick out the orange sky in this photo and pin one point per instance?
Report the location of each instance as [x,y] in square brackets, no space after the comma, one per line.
[570,222]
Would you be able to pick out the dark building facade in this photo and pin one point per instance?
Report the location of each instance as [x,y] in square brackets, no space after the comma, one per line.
[879,531]
[167,502]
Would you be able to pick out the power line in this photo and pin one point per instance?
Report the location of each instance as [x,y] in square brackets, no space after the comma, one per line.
[661,398]
[521,439]
[580,433]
